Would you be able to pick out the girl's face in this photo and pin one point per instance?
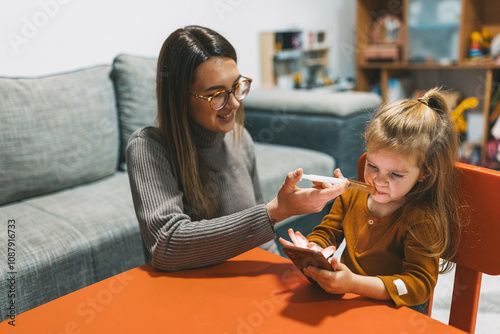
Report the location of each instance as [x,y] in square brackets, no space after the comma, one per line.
[392,174]
[212,76]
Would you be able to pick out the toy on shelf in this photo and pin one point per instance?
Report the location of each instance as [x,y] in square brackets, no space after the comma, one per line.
[475,50]
[492,154]
[457,114]
[495,48]
[492,149]
[493,146]
[486,38]
[386,39]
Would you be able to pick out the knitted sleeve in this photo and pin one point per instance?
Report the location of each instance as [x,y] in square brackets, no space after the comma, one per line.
[174,240]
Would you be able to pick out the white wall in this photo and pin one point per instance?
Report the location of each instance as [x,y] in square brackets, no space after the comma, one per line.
[39,37]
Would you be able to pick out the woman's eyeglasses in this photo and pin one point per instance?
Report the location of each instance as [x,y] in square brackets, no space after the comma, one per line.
[219,100]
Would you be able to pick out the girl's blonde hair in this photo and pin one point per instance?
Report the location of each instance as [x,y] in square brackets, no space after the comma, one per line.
[423,129]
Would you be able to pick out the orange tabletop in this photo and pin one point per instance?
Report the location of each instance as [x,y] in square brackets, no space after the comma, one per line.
[256,292]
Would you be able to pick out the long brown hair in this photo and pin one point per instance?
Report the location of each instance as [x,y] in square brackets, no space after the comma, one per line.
[181,54]
[423,128]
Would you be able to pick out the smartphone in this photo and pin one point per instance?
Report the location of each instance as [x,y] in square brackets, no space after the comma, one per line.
[305,257]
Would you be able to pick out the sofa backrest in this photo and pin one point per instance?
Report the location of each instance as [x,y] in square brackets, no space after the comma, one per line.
[135,81]
[56,132]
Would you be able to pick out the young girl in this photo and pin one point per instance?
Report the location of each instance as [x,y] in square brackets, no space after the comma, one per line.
[394,239]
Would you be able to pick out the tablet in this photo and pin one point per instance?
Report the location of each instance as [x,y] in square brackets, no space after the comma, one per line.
[305,257]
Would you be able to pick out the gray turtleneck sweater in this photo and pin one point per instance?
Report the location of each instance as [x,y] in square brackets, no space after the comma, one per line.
[176,235]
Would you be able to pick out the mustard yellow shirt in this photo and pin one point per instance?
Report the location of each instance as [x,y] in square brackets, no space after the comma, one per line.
[377,247]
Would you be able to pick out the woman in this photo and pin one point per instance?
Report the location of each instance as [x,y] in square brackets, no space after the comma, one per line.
[193,177]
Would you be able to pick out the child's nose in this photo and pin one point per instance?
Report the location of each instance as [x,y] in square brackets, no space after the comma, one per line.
[380,179]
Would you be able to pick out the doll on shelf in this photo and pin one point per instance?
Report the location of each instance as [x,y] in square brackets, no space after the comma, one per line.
[486,37]
[475,50]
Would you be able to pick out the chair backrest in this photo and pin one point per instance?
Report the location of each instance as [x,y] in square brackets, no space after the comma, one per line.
[479,247]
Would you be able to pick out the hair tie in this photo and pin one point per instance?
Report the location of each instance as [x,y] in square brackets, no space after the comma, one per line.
[424,101]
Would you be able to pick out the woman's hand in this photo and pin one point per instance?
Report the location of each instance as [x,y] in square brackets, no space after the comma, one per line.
[292,200]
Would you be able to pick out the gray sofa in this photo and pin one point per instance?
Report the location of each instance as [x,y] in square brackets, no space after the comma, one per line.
[65,200]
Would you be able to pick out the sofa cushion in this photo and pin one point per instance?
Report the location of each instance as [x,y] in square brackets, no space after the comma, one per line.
[50,260]
[312,101]
[56,132]
[135,84]
[103,212]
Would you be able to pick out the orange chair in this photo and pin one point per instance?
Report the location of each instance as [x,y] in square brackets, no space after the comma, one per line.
[479,244]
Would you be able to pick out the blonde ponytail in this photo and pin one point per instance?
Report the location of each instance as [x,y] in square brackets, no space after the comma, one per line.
[423,128]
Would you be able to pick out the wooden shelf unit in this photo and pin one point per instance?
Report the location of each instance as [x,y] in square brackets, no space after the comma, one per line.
[273,56]
[475,15]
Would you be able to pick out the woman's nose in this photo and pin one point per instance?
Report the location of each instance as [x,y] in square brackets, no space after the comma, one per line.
[232,102]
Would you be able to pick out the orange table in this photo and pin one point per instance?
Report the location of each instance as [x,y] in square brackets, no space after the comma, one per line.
[256,292]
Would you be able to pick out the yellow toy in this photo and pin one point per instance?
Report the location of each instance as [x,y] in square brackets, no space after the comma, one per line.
[475,50]
[457,114]
[486,36]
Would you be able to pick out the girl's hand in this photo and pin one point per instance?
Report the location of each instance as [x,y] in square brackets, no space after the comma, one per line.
[299,240]
[338,282]
[343,280]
